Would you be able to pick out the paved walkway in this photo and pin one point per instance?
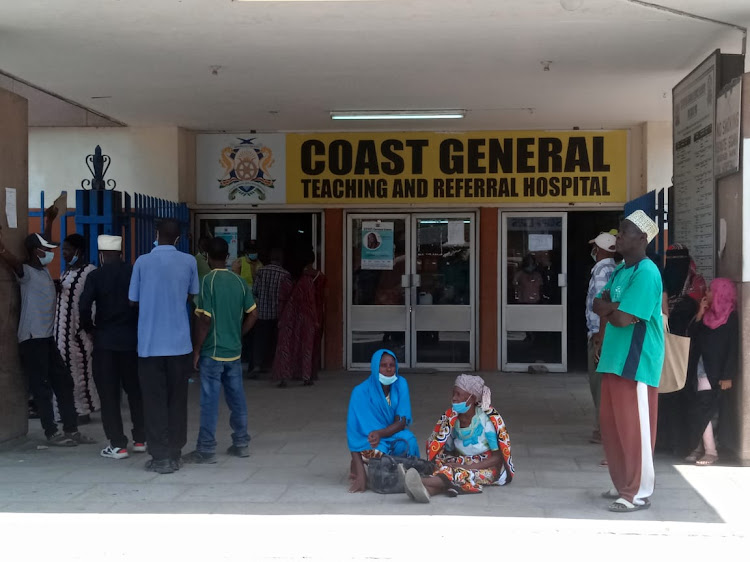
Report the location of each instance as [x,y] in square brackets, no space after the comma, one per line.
[299,467]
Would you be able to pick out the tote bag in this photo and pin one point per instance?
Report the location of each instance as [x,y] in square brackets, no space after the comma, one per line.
[676,354]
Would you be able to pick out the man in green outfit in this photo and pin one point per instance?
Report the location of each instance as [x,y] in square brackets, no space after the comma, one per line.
[225,310]
[630,362]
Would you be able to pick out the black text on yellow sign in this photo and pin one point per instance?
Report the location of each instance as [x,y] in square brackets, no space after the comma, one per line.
[487,167]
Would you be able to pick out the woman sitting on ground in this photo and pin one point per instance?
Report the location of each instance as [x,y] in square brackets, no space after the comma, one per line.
[469,445]
[379,413]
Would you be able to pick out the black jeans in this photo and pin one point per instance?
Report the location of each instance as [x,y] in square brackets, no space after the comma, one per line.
[164,384]
[47,373]
[264,339]
[113,371]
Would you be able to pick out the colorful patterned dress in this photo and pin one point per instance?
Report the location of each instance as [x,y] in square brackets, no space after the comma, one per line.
[75,345]
[299,329]
[450,443]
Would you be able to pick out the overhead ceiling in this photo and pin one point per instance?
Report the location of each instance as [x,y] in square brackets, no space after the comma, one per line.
[283,66]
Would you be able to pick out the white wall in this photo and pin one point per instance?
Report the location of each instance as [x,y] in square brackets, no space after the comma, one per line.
[144,160]
[658,140]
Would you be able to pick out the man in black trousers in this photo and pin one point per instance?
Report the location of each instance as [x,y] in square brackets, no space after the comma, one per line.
[115,332]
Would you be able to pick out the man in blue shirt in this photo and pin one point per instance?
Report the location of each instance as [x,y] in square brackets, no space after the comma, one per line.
[161,283]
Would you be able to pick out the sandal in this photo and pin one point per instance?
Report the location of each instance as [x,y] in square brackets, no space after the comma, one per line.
[707,460]
[621,505]
[414,487]
[611,494]
[694,456]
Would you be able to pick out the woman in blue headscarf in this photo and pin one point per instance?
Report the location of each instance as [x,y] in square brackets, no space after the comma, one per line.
[379,413]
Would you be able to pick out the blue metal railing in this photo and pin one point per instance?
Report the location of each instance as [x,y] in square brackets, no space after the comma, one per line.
[113,212]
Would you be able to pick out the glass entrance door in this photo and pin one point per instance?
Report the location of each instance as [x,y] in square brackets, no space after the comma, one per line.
[411,289]
[534,292]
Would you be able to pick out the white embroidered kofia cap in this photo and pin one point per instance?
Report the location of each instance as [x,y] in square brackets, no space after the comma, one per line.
[644,224]
[109,243]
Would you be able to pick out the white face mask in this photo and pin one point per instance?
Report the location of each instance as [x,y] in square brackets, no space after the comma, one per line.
[47,259]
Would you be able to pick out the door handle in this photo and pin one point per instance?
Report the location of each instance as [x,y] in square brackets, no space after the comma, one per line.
[562,279]
[416,280]
[405,282]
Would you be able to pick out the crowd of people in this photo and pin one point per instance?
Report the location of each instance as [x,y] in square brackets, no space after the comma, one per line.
[630,304]
[146,328]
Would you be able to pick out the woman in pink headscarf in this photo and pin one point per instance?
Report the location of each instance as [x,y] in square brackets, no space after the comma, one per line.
[714,335]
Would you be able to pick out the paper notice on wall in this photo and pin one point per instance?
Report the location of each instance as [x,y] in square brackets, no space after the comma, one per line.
[377,245]
[456,233]
[11,213]
[228,233]
[541,242]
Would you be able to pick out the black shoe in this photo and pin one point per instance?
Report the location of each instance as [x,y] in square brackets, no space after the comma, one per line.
[242,452]
[176,464]
[160,466]
[85,419]
[196,457]
[282,384]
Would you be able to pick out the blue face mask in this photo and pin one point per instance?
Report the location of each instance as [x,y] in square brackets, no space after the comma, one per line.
[386,380]
[74,260]
[156,243]
[47,259]
[252,257]
[460,407]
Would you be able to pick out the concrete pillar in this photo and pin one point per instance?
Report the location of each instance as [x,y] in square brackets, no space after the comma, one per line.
[488,280]
[335,254]
[14,163]
[740,188]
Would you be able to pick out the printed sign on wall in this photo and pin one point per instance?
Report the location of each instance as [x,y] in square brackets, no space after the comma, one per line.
[476,167]
[377,245]
[242,169]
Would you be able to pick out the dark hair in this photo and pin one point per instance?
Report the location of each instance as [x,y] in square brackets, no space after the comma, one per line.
[204,238]
[77,241]
[308,256]
[168,228]
[218,249]
[528,261]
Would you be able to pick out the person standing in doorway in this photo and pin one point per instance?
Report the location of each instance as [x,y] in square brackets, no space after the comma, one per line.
[630,362]
[40,359]
[603,253]
[300,325]
[201,258]
[74,344]
[247,266]
[225,311]
[115,333]
[162,282]
[266,289]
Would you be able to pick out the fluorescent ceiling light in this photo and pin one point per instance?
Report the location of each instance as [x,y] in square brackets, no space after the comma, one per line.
[387,115]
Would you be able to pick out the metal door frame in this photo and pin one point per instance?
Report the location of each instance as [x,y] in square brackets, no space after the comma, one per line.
[437,214]
[503,291]
[349,222]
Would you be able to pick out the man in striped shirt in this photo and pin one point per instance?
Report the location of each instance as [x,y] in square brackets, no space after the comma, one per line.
[266,292]
[226,311]
[603,252]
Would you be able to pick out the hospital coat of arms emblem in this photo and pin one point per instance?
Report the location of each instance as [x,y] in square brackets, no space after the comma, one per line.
[247,167]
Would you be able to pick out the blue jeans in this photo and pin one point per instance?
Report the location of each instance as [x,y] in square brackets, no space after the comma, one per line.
[214,375]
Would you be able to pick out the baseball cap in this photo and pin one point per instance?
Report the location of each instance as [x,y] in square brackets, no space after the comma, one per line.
[605,241]
[34,241]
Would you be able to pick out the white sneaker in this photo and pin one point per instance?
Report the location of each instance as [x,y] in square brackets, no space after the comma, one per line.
[139,447]
[115,453]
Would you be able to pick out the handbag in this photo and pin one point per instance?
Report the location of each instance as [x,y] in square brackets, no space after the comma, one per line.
[676,354]
[383,475]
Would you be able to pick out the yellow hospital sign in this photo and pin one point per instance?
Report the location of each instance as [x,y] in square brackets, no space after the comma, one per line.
[477,167]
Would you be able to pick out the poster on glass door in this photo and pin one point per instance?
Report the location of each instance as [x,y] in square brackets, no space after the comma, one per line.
[377,245]
[228,233]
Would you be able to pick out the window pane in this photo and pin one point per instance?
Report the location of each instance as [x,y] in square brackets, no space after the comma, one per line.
[534,347]
[443,347]
[364,344]
[377,286]
[444,261]
[534,260]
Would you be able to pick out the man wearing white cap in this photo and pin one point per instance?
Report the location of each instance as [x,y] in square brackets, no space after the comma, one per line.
[631,360]
[602,252]
[115,331]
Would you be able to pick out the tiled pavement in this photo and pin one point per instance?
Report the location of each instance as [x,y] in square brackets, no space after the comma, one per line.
[299,467]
